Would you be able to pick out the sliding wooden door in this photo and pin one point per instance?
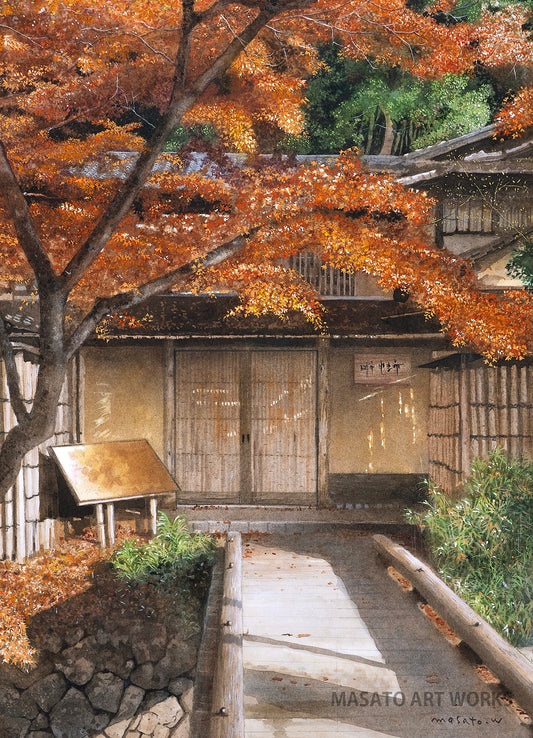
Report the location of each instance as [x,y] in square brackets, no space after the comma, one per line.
[246,426]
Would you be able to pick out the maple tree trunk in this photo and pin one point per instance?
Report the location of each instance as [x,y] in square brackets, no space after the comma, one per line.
[39,423]
[28,434]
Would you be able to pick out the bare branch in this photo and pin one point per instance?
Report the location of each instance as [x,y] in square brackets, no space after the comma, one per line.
[20,215]
[13,380]
[118,303]
[22,35]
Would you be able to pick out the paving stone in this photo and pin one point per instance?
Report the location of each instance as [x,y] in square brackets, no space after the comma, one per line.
[161,732]
[116,729]
[40,722]
[147,723]
[132,698]
[73,717]
[48,691]
[179,686]
[142,677]
[14,727]
[186,699]
[168,712]
[183,729]
[152,698]
[105,691]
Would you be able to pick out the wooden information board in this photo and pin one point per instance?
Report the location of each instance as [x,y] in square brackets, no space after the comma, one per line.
[98,473]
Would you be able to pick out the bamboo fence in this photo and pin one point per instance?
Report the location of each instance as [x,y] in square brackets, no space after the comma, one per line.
[474,410]
[24,529]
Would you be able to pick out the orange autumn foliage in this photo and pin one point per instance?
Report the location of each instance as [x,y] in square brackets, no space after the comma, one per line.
[89,222]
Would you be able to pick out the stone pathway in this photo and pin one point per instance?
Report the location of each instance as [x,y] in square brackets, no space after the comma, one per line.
[334,647]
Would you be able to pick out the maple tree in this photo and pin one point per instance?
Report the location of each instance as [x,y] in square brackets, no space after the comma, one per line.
[95,229]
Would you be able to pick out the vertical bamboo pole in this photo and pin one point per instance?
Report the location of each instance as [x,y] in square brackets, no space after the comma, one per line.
[492,407]
[431,421]
[439,431]
[20,517]
[524,412]
[464,420]
[473,413]
[482,406]
[503,402]
[324,420]
[514,402]
[448,447]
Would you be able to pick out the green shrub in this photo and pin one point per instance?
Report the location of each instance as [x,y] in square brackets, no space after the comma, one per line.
[174,556]
[482,544]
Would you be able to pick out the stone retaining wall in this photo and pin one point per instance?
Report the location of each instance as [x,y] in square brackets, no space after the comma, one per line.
[130,679]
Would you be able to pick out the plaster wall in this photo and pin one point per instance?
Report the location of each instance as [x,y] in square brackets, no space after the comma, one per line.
[123,395]
[378,429]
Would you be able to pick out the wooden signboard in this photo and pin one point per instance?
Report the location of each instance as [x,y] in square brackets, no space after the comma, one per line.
[99,473]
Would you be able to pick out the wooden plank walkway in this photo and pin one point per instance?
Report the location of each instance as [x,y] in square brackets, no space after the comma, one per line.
[333,647]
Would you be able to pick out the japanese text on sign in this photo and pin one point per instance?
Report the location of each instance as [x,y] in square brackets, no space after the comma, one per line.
[381,369]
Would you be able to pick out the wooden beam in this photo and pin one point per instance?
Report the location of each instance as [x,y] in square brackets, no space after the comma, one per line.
[508,664]
[227,715]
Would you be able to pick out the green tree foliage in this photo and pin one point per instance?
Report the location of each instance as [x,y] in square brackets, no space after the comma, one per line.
[520,264]
[385,110]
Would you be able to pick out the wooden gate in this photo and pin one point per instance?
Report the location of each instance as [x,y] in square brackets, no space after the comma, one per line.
[245,427]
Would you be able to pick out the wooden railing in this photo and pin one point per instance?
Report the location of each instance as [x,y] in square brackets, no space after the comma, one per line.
[227,715]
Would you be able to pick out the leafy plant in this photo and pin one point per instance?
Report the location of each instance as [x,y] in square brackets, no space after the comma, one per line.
[520,264]
[482,544]
[174,555]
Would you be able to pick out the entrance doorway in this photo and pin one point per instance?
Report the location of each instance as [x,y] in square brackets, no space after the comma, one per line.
[246,426]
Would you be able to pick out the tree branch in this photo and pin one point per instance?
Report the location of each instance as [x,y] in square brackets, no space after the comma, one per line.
[108,306]
[13,380]
[20,215]
[182,99]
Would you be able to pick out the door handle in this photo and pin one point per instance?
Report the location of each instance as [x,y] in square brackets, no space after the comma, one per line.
[245,436]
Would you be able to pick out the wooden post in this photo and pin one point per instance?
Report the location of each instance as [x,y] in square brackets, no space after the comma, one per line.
[484,444]
[227,715]
[110,520]
[153,515]
[524,412]
[245,430]
[464,420]
[492,407]
[514,401]
[324,412]
[503,401]
[512,668]
[100,528]
[169,407]
[20,517]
